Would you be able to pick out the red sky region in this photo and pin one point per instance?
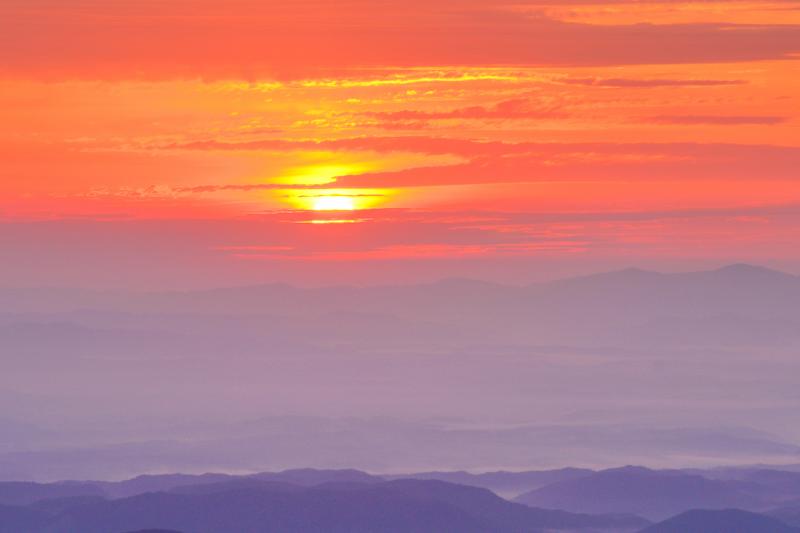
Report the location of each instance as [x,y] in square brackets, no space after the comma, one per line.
[181,144]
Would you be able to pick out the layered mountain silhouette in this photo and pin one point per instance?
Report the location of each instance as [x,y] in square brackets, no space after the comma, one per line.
[724,500]
[504,483]
[253,505]
[720,521]
[26,493]
[392,370]
[628,303]
[650,493]
[788,512]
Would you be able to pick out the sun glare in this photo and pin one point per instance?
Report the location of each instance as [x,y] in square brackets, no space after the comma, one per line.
[334,199]
[333,203]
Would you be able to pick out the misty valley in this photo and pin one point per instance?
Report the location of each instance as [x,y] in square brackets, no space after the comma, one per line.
[473,406]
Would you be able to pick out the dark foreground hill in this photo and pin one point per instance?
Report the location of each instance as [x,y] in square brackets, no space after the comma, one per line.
[720,521]
[155,531]
[21,519]
[788,512]
[253,506]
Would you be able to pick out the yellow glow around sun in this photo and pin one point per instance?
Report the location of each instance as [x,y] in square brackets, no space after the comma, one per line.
[334,199]
[322,173]
[333,203]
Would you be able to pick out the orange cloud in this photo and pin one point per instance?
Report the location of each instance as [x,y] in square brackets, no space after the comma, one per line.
[240,39]
[717,119]
[469,129]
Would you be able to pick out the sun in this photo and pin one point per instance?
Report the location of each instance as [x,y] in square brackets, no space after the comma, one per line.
[333,203]
[341,200]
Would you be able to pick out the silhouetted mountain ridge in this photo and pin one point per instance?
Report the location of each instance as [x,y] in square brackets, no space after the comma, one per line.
[720,521]
[254,505]
[649,493]
[503,483]
[26,493]
[732,500]
[611,307]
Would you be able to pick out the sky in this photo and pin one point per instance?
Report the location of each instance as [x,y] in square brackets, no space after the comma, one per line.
[179,144]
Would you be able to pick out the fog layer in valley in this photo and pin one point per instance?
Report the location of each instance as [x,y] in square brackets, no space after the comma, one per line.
[629,367]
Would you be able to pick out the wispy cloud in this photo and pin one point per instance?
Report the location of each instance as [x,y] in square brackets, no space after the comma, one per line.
[718,119]
[175,41]
[648,83]
[509,109]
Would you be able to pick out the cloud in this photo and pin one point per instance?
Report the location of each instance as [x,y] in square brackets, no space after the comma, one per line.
[718,119]
[648,83]
[423,252]
[420,244]
[419,144]
[530,162]
[241,187]
[508,109]
[599,163]
[240,39]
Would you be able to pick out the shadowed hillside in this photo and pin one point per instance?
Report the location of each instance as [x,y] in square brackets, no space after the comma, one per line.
[254,505]
[722,521]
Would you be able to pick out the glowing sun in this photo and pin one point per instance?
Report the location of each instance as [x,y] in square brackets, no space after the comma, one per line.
[333,203]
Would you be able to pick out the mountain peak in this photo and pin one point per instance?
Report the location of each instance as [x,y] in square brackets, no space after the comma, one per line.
[746,269]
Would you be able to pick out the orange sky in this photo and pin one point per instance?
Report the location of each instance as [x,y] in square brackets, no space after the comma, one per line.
[459,137]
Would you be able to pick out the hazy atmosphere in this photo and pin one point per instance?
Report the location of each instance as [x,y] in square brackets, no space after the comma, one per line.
[630,366]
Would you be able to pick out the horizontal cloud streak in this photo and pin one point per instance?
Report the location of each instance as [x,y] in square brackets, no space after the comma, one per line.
[170,40]
[647,83]
[499,162]
[508,109]
[512,133]
[203,252]
[719,119]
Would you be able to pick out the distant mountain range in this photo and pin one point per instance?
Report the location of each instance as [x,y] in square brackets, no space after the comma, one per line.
[504,483]
[380,444]
[600,370]
[754,304]
[253,505]
[723,500]
[653,494]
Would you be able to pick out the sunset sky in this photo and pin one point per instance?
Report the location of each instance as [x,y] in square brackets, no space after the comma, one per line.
[194,143]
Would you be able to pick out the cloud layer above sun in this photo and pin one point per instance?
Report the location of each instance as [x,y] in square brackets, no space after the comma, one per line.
[517,139]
